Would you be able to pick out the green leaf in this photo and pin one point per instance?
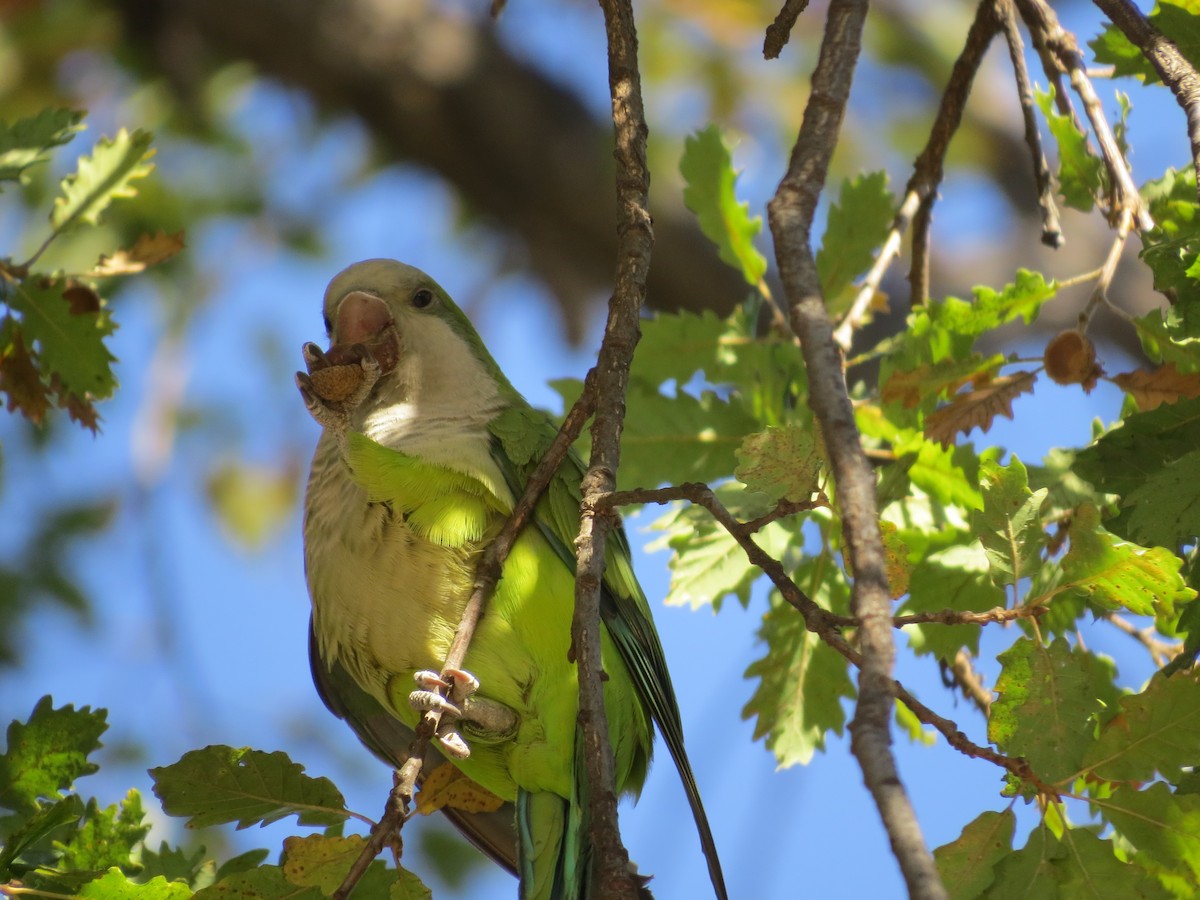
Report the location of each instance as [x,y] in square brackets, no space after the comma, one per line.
[709,176]
[956,578]
[966,863]
[1178,22]
[1166,509]
[101,178]
[678,345]
[70,342]
[802,682]
[1164,338]
[108,836]
[1157,730]
[1172,247]
[780,462]
[707,564]
[408,886]
[263,883]
[222,784]
[179,864]
[1148,460]
[48,753]
[1163,825]
[1079,865]
[1115,575]
[114,885]
[857,224]
[681,438]
[28,141]
[1010,524]
[1081,175]
[34,834]
[1049,699]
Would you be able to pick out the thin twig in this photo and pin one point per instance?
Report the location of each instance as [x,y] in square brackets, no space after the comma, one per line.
[1099,293]
[932,159]
[487,576]
[927,175]
[790,214]
[1043,25]
[970,682]
[1172,66]
[610,875]
[827,626]
[1052,235]
[779,31]
[1160,651]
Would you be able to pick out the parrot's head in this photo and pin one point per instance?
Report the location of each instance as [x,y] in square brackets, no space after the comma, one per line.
[427,349]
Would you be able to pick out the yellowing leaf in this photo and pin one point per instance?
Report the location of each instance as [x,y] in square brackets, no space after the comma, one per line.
[447,786]
[148,250]
[1151,388]
[977,408]
[319,861]
[780,462]
[252,501]
[895,554]
[1114,574]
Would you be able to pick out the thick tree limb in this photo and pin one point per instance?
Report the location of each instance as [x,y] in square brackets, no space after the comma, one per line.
[1172,67]
[610,873]
[790,213]
[440,91]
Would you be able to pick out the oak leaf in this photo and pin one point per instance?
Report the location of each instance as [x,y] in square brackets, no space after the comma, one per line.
[1150,388]
[977,408]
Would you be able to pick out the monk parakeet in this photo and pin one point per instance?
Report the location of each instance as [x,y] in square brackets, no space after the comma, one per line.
[425,449]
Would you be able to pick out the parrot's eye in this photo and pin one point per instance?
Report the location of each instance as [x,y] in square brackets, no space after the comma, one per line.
[328,325]
[422,298]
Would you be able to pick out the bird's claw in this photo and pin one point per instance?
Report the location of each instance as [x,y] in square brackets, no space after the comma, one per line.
[336,383]
[486,720]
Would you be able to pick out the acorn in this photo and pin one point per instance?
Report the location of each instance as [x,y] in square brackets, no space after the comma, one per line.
[1070,358]
[337,382]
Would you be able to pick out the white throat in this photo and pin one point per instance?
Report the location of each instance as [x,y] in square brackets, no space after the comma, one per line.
[439,392]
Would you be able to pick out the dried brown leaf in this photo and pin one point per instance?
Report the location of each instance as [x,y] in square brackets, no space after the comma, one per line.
[22,382]
[148,250]
[1150,388]
[977,408]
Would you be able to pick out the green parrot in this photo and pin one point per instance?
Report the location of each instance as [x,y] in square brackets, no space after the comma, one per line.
[424,451]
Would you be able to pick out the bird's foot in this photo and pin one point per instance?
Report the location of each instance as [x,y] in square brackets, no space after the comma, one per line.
[336,383]
[485,720]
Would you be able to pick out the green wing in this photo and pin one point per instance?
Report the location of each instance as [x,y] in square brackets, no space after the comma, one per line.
[520,436]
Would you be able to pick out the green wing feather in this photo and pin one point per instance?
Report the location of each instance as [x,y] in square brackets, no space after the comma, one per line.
[521,435]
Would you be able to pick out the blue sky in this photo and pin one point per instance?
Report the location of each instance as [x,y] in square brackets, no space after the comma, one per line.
[235,670]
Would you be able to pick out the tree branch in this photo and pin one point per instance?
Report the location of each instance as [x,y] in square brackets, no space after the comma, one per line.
[1052,235]
[790,213]
[610,875]
[779,31]
[928,169]
[931,163]
[441,92]
[1172,67]
[1046,32]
